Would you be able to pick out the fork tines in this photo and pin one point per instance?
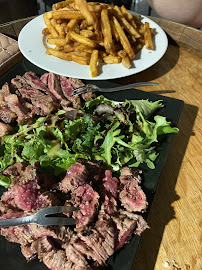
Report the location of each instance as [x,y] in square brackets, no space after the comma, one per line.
[81,90]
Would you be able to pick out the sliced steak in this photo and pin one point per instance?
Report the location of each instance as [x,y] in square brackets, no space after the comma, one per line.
[127,174]
[75,256]
[108,231]
[58,234]
[55,88]
[67,87]
[110,184]
[23,116]
[43,246]
[34,91]
[76,175]
[5,129]
[87,200]
[44,78]
[6,115]
[132,197]
[39,100]
[15,170]
[56,260]
[127,224]
[5,90]
[94,240]
[33,80]
[109,206]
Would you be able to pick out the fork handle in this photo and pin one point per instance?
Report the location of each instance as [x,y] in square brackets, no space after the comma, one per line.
[128,86]
[16,221]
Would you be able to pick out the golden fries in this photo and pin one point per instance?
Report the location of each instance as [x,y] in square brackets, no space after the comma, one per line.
[90,33]
[106,28]
[123,39]
[147,36]
[93,63]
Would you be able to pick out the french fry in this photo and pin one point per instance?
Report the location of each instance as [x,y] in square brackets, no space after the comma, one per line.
[122,53]
[126,62]
[88,14]
[83,54]
[132,31]
[49,15]
[71,24]
[59,54]
[147,36]
[68,48]
[67,14]
[87,33]
[49,26]
[123,39]
[93,63]
[57,41]
[82,39]
[80,59]
[61,4]
[126,14]
[45,31]
[114,32]
[110,59]
[107,33]
[84,48]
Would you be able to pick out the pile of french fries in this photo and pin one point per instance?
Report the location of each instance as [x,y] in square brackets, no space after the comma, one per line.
[89,33]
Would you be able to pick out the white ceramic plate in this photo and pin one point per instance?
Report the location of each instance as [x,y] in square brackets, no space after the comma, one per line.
[31,44]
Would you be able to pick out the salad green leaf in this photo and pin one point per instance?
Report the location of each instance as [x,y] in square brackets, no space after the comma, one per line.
[119,134]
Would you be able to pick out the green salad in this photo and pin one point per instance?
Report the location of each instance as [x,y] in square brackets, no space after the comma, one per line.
[116,133]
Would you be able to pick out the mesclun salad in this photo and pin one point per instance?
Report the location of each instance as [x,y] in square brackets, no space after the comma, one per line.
[115,133]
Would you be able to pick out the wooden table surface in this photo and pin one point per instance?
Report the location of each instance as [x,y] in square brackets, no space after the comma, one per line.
[175,218]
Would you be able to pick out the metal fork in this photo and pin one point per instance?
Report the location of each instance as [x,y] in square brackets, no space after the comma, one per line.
[42,217]
[91,87]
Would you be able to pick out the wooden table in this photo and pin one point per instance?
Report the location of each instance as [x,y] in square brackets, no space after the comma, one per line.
[175,217]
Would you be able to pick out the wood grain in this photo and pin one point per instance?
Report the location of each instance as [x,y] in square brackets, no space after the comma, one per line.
[175,217]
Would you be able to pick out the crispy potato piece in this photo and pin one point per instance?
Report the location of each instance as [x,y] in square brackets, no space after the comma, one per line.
[80,59]
[71,24]
[61,4]
[107,33]
[93,63]
[67,14]
[87,33]
[147,37]
[113,29]
[84,54]
[59,54]
[68,48]
[122,53]
[133,24]
[49,15]
[58,28]
[45,31]
[88,15]
[83,24]
[57,41]
[51,29]
[96,7]
[123,39]
[82,39]
[126,14]
[126,62]
[111,59]
[84,48]
[132,31]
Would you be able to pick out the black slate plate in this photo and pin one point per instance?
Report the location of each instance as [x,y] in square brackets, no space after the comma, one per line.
[10,254]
